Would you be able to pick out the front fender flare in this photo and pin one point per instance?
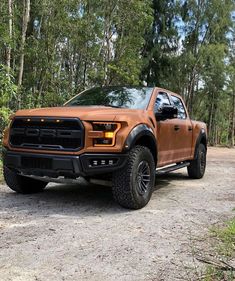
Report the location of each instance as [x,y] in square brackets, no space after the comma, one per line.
[136,133]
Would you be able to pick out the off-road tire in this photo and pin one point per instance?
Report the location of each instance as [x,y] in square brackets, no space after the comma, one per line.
[197,167]
[22,184]
[125,182]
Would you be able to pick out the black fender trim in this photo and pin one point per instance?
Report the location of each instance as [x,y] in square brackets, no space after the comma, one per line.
[137,132]
[202,138]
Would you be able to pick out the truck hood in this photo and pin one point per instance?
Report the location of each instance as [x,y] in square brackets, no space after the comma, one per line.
[94,113]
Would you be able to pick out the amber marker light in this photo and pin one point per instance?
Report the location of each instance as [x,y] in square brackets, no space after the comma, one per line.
[109,135]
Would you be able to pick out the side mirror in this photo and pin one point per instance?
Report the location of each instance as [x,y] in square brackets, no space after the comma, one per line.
[167,112]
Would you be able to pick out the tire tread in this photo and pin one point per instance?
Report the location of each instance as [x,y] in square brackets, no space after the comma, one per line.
[194,167]
[122,192]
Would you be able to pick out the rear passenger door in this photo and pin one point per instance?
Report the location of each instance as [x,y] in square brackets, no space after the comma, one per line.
[182,134]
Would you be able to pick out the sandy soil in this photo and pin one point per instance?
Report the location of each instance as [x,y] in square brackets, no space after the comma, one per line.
[79,233]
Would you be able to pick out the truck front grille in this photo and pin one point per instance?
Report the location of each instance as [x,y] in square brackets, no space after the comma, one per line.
[47,133]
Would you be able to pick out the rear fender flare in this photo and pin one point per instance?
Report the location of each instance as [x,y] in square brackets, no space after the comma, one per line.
[202,138]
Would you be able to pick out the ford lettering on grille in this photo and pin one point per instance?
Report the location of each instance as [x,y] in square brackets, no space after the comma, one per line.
[65,135]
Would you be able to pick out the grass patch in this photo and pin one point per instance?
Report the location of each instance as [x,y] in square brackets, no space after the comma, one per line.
[224,238]
[214,274]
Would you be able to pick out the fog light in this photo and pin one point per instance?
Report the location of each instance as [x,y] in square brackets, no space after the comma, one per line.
[102,162]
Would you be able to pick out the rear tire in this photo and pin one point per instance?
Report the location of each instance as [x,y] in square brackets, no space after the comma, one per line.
[21,184]
[197,167]
[133,185]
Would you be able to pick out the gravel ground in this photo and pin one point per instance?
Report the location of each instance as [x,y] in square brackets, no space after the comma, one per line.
[79,233]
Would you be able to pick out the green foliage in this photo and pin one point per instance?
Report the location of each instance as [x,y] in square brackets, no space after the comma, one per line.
[185,46]
[8,92]
[73,45]
[161,45]
[187,51]
[7,88]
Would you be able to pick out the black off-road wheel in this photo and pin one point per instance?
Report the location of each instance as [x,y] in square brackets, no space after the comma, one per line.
[21,184]
[133,185]
[197,167]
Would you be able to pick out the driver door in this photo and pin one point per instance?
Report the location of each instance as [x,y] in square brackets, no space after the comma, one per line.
[165,129]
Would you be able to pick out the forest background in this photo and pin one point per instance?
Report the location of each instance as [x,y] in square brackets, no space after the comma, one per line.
[51,50]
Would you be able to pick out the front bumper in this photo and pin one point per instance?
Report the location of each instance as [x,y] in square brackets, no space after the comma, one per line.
[54,166]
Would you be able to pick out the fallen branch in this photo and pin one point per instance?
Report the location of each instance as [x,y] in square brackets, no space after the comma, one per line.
[219,264]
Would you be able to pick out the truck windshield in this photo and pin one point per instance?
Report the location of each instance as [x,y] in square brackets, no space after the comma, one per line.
[117,97]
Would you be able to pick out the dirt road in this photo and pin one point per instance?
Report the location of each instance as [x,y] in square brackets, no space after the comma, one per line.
[79,233]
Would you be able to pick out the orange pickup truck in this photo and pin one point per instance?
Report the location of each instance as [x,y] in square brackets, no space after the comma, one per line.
[126,134]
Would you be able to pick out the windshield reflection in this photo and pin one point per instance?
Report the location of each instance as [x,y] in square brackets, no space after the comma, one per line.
[120,97]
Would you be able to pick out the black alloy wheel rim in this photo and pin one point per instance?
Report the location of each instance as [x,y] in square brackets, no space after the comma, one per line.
[143,177]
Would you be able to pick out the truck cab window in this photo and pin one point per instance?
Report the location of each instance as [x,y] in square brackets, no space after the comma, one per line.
[161,100]
[181,110]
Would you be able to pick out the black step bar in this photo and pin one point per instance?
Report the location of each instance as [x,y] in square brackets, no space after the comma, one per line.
[172,168]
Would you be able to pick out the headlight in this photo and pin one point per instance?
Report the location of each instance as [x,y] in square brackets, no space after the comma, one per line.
[104,133]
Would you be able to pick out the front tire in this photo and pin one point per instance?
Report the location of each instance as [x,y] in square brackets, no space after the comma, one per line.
[197,167]
[21,184]
[133,185]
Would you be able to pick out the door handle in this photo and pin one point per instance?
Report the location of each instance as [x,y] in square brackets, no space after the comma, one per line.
[177,128]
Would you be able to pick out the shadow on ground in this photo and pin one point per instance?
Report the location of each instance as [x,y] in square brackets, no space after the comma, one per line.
[86,199]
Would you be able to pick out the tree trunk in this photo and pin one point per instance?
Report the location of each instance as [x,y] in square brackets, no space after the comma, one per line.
[26,11]
[107,42]
[8,49]
[210,120]
[232,122]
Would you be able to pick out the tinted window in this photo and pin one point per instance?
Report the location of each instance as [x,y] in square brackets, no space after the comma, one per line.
[123,97]
[181,111]
[162,99]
